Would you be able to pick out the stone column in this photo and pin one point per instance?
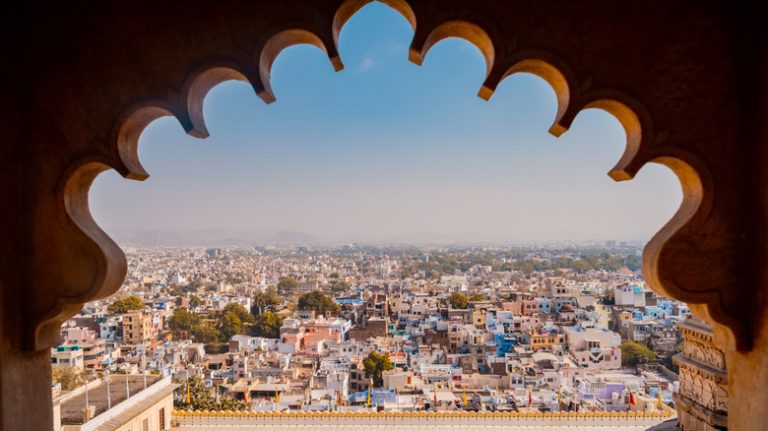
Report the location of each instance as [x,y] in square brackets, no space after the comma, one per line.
[702,403]
[25,388]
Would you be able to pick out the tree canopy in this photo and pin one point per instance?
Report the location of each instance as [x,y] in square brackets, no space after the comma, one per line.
[68,376]
[230,325]
[121,306]
[267,325]
[206,334]
[319,302]
[183,321]
[376,363]
[633,353]
[239,311]
[200,397]
[286,284]
[477,297]
[458,300]
[265,301]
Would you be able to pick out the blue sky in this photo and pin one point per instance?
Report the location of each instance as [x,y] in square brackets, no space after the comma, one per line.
[385,150]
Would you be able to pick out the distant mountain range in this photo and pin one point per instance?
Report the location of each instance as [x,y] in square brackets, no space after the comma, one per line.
[226,237]
[208,237]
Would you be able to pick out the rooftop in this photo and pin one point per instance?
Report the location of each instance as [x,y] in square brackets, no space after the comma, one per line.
[73,402]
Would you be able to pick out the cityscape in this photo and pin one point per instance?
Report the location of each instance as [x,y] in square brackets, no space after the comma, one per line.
[354,215]
[445,272]
[350,328]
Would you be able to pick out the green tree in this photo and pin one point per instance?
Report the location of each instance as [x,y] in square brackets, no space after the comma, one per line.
[121,306]
[69,377]
[240,311]
[318,301]
[286,284]
[194,301]
[230,325]
[458,300]
[205,334]
[376,363]
[201,397]
[582,265]
[267,325]
[182,321]
[477,297]
[633,353]
[265,301]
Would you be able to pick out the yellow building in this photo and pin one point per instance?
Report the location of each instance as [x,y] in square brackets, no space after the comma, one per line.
[137,328]
[546,340]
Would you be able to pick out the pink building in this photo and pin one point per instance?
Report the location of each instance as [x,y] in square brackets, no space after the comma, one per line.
[308,337]
[320,330]
[529,306]
[94,348]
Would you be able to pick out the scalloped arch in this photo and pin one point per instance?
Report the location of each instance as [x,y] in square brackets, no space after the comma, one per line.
[351,7]
[198,87]
[635,121]
[643,144]
[547,67]
[80,282]
[126,136]
[466,30]
[275,45]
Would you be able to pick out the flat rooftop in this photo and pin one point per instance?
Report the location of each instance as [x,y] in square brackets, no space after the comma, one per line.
[73,402]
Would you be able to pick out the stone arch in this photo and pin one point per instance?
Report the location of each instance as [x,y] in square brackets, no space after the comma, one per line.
[351,7]
[572,95]
[466,30]
[97,81]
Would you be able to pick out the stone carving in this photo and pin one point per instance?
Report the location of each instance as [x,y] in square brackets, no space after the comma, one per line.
[703,397]
[709,355]
[721,399]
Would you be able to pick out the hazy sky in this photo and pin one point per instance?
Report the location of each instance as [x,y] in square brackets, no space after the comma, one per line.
[387,149]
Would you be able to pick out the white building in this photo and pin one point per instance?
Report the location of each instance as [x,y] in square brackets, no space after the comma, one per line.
[629,294]
[594,348]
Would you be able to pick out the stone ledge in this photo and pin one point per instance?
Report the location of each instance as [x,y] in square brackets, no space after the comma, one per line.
[688,406]
[683,361]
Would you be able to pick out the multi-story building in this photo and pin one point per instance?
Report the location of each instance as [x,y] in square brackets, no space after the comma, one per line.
[137,328]
[68,355]
[548,339]
[594,348]
[629,294]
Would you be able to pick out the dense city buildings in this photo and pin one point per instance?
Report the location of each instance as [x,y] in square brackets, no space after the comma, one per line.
[363,328]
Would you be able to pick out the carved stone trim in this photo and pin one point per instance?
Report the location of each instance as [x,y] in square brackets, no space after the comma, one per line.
[717,374]
[691,417]
[702,402]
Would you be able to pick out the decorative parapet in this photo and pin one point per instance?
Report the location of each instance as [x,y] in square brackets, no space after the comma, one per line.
[447,418]
[703,399]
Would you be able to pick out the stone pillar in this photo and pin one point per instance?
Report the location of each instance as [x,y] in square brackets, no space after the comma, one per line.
[25,389]
[702,403]
[748,380]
